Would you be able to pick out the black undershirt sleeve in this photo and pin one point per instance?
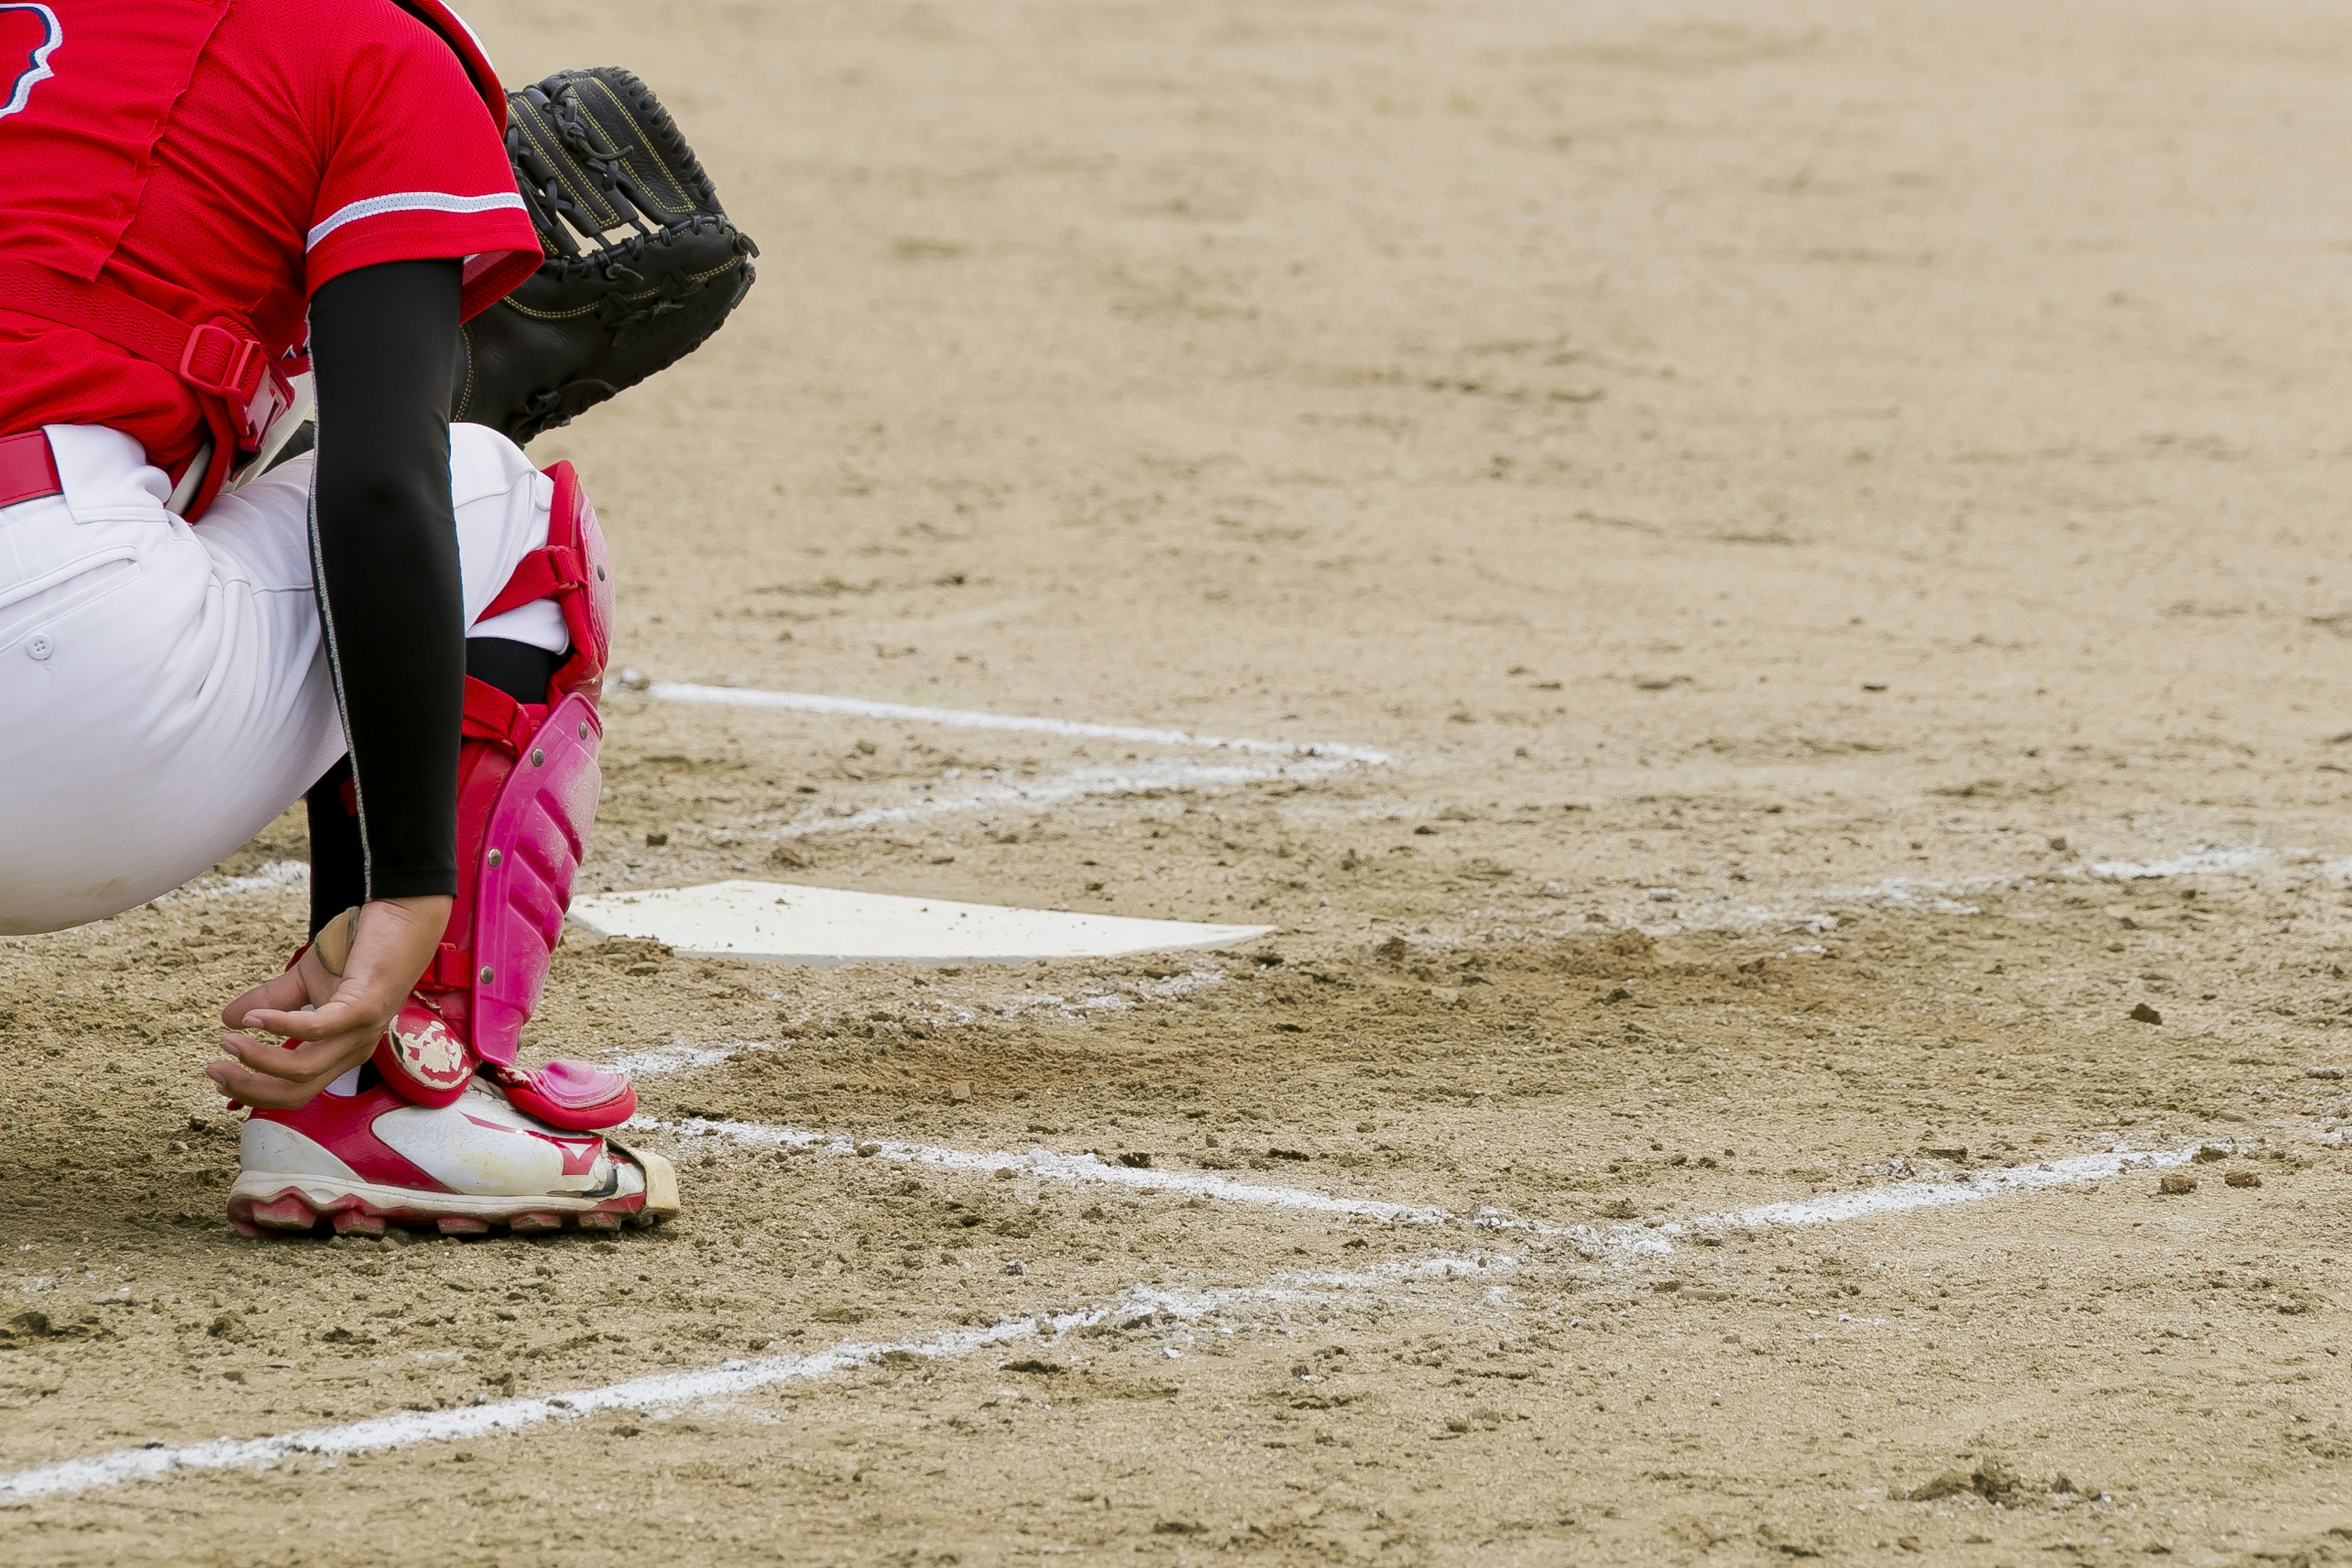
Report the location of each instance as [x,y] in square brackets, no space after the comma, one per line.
[384,550]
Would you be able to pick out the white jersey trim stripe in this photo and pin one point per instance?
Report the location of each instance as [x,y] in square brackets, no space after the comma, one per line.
[412,202]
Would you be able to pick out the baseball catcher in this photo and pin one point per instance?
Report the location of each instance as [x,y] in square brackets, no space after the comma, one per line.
[230,221]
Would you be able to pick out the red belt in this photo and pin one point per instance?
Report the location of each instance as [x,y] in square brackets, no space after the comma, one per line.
[27,470]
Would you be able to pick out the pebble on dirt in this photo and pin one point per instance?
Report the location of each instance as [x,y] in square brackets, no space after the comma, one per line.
[2242,1178]
[2143,1014]
[2173,1182]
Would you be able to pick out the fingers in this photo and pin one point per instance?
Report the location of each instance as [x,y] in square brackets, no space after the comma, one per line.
[242,1084]
[317,1059]
[279,993]
[326,1025]
[334,1018]
[295,1064]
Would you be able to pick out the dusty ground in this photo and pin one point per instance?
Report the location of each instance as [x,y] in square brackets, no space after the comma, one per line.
[1795,488]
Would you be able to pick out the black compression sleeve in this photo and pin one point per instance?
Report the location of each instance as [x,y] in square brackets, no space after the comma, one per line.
[384,547]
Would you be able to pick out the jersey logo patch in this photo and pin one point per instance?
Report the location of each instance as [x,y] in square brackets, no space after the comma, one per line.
[29,35]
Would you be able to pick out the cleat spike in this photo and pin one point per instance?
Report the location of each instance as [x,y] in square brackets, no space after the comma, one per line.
[357,1222]
[462,1225]
[599,1221]
[535,1223]
[286,1213]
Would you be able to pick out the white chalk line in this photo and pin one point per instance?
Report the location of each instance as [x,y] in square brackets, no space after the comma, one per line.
[1917,896]
[657,1060]
[2199,861]
[676,1055]
[1151,777]
[734,1378]
[2196,861]
[730,1379]
[1048,1166]
[1618,1243]
[1905,1198]
[958,719]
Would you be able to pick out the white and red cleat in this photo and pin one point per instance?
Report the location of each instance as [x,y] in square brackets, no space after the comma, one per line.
[359,1157]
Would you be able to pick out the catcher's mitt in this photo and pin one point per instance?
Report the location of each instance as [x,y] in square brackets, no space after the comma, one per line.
[642,263]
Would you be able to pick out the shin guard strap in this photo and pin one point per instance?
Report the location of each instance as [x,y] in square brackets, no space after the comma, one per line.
[491,715]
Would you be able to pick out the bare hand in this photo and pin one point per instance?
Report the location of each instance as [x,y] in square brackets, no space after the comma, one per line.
[330,1024]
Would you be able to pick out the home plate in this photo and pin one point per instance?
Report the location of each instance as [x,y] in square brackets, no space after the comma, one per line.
[795,924]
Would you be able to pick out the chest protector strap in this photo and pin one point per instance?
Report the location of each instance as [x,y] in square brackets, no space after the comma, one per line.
[235,376]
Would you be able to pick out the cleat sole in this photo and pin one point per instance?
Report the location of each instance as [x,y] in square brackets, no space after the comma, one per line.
[264,1206]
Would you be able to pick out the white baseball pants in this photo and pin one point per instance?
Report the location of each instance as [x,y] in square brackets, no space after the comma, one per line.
[163,686]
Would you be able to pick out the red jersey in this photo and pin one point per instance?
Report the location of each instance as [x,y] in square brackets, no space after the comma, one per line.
[208,155]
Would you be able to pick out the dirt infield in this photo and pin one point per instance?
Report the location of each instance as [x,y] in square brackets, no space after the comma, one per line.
[1823,534]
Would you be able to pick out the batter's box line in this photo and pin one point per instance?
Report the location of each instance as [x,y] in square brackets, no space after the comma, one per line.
[964,719]
[1138,1306]
[676,1055]
[1047,1165]
[1618,1244]
[1715,911]
[1157,776]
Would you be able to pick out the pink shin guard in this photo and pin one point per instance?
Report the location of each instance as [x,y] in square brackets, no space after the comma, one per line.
[528,838]
[526,789]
